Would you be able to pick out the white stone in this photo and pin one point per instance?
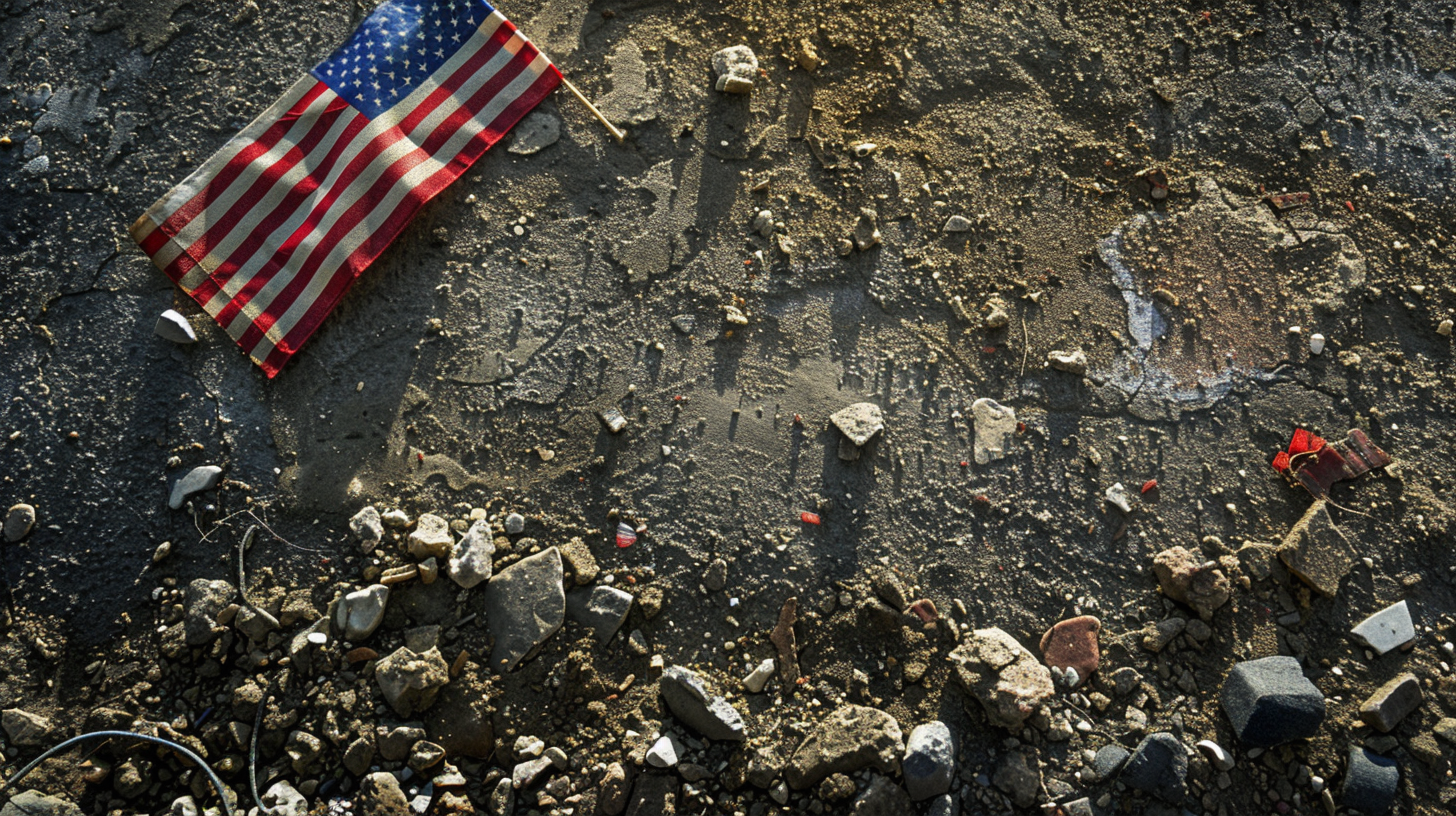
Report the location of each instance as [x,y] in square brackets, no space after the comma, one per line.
[173,326]
[1117,496]
[515,523]
[1220,758]
[360,612]
[470,559]
[1390,628]
[995,426]
[859,422]
[367,527]
[664,753]
[957,223]
[1316,344]
[758,678]
[736,68]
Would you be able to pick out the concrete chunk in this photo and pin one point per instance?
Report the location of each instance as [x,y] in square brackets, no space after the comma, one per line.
[1390,703]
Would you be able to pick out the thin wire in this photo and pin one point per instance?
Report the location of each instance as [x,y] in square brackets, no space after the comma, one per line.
[243,545]
[179,748]
[253,755]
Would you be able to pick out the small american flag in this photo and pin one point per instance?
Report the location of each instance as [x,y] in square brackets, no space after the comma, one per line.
[270,232]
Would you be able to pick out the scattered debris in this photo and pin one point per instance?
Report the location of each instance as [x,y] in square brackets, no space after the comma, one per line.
[1117,497]
[1317,464]
[626,535]
[1285,202]
[788,648]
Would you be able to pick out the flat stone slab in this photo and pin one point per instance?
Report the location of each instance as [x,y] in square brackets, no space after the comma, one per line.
[1390,703]
[1072,643]
[524,605]
[1316,550]
[850,739]
[859,422]
[1270,702]
[1390,628]
[602,609]
[1007,680]
[688,698]
[197,480]
[995,427]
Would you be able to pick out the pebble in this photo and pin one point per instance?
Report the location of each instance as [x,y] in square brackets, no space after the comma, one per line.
[529,747]
[359,613]
[1390,628]
[1444,327]
[470,557]
[602,609]
[197,480]
[1316,550]
[431,538]
[173,326]
[1185,577]
[1073,362]
[859,422]
[1109,760]
[808,56]
[515,524]
[395,519]
[19,521]
[1371,782]
[613,419]
[866,230]
[1018,774]
[1270,702]
[735,67]
[1390,703]
[1007,680]
[957,223]
[204,601]
[367,527]
[759,677]
[665,752]
[1217,756]
[24,728]
[688,698]
[1117,497]
[528,773]
[995,426]
[410,681]
[1158,766]
[763,223]
[929,763]
[380,795]
[1072,644]
[1316,344]
[715,577]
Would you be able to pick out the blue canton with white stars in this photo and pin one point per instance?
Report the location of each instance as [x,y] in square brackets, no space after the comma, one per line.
[397,48]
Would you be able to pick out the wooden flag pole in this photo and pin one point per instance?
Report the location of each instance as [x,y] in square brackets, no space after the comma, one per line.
[617,133]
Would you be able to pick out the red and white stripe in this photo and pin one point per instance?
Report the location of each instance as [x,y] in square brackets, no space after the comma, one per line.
[269,233]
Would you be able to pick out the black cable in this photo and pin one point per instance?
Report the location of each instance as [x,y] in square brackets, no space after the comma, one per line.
[217,785]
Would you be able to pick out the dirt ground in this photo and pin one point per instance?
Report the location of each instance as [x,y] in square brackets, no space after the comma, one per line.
[467,368]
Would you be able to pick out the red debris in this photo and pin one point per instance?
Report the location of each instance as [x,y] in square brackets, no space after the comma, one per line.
[1350,205]
[809,518]
[626,536]
[1149,486]
[925,610]
[1281,462]
[1318,465]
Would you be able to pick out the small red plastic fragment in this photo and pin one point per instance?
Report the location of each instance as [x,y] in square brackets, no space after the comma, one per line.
[1149,486]
[988,349]
[626,536]
[1300,442]
[1281,462]
[1350,205]
[809,518]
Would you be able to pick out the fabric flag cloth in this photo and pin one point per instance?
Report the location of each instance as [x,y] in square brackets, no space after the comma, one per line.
[270,232]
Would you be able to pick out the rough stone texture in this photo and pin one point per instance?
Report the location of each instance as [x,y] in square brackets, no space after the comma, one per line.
[1109,760]
[849,739]
[577,558]
[197,480]
[1158,766]
[1184,577]
[359,756]
[1271,702]
[367,527]
[929,763]
[1072,362]
[282,799]
[995,427]
[35,803]
[1316,550]
[735,68]
[18,522]
[470,557]
[460,719]
[602,609]
[524,604]
[380,795]
[689,700]
[882,797]
[538,130]
[1390,703]
[431,538]
[1390,628]
[859,422]
[1073,643]
[999,672]
[614,790]
[1018,775]
[360,612]
[410,681]
[23,727]
[785,642]
[255,623]
[665,752]
[1371,782]
[204,601]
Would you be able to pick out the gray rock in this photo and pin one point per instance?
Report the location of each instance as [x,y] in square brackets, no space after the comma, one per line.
[410,681]
[18,522]
[614,791]
[184,806]
[538,130]
[470,558]
[1019,776]
[1390,628]
[867,230]
[1079,807]
[882,797]
[851,738]
[689,700]
[282,799]
[203,602]
[1109,760]
[763,768]
[602,609]
[859,422]
[380,795]
[515,524]
[715,577]
[1390,703]
[502,798]
[360,612]
[24,728]
[431,538]
[367,527]
[685,323]
[944,805]
[197,480]
[736,68]
[173,326]
[957,223]
[1371,782]
[1073,362]
[35,803]
[359,756]
[524,605]
[665,752]
[1271,702]
[528,773]
[929,763]
[1008,681]
[395,742]
[1158,766]
[995,427]
[256,623]
[1315,550]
